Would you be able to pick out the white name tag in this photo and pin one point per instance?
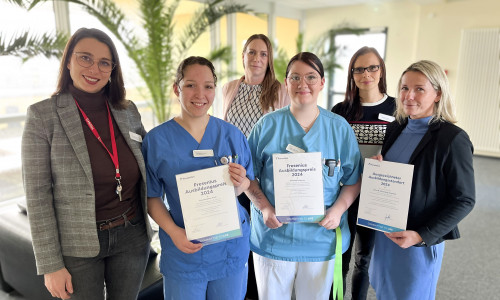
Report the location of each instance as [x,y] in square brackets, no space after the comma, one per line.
[294,149]
[203,153]
[135,136]
[386,118]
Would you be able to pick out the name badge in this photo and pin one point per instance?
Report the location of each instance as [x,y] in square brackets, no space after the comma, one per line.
[294,149]
[136,137]
[385,117]
[203,153]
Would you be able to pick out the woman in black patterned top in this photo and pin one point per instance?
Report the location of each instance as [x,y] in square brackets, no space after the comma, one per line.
[368,109]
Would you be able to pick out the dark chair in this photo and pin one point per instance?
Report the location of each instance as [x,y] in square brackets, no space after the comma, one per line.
[18,268]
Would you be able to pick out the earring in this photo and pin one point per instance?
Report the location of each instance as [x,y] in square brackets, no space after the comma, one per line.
[109,80]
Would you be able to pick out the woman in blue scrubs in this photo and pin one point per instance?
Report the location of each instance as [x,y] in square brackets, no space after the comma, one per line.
[298,258]
[190,270]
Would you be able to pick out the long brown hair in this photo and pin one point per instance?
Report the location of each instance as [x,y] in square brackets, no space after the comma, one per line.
[270,86]
[351,108]
[115,89]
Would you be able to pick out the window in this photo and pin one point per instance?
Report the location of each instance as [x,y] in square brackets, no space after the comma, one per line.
[347,45]
[22,84]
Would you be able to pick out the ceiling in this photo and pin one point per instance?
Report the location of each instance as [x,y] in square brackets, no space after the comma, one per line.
[311,4]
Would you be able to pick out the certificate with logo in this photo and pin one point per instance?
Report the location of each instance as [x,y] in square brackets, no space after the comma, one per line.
[298,187]
[208,205]
[385,195]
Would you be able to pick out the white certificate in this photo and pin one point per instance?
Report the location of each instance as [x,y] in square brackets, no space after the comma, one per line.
[385,195]
[208,203]
[298,187]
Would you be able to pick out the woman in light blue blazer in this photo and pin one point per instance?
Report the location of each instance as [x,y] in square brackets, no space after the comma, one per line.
[84,177]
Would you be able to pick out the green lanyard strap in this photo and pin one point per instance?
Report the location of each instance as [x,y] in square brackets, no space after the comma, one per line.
[338,285]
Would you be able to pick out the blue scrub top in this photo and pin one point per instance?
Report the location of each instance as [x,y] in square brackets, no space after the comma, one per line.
[168,150]
[334,138]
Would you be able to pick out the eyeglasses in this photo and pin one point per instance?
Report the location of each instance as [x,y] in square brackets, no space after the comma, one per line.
[361,70]
[309,79]
[85,60]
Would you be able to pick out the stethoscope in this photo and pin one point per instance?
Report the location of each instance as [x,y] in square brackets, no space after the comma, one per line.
[225,160]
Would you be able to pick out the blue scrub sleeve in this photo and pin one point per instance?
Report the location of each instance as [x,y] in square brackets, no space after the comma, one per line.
[247,157]
[253,143]
[153,183]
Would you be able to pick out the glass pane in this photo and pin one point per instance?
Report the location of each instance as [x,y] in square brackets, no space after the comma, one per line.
[134,84]
[247,25]
[287,31]
[80,18]
[25,84]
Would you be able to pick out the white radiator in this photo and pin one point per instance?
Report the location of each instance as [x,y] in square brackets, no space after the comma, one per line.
[478,89]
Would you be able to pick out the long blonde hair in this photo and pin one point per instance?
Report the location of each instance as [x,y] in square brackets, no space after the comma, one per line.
[270,86]
[444,109]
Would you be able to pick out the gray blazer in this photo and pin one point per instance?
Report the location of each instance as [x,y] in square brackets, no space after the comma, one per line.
[58,179]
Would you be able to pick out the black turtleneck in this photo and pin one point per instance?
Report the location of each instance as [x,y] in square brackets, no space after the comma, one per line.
[107,203]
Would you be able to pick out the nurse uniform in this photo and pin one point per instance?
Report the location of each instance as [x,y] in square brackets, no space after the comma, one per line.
[168,150]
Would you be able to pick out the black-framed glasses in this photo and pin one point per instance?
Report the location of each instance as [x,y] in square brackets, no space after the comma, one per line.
[85,60]
[308,78]
[361,70]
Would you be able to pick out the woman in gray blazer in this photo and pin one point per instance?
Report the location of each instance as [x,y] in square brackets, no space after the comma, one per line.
[84,177]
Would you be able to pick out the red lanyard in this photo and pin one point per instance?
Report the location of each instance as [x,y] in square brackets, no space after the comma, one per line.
[114,155]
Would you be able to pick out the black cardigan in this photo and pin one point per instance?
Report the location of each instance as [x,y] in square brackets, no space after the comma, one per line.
[443,190]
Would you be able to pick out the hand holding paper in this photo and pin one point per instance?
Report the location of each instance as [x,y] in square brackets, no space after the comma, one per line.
[405,239]
[238,177]
[331,219]
[260,201]
[269,216]
[347,196]
[180,240]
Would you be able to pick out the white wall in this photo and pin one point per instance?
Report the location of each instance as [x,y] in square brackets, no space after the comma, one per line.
[414,31]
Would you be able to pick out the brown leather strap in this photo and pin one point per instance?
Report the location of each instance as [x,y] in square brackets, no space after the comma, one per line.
[117,221]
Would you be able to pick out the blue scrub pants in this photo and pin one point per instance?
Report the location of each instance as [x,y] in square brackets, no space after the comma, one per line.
[233,287]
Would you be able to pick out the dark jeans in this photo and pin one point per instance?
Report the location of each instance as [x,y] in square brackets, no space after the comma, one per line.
[117,271]
[251,283]
[363,246]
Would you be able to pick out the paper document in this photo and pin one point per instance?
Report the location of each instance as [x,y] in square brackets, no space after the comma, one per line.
[209,207]
[298,187]
[385,195]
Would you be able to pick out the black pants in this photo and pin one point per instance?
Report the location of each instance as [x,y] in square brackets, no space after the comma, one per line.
[362,255]
[251,283]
